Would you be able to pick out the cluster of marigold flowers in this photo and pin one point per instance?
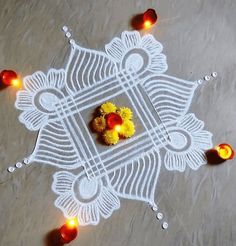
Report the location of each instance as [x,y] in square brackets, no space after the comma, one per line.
[114,123]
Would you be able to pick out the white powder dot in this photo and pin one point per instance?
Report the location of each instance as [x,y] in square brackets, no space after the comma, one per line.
[26,161]
[159,216]
[65,28]
[207,78]
[200,81]
[11,169]
[154,208]
[165,225]
[18,164]
[214,74]
[68,34]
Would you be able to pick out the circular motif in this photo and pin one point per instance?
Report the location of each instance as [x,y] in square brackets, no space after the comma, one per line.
[86,190]
[46,99]
[180,140]
[135,60]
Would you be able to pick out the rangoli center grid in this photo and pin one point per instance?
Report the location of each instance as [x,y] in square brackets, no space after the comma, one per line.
[132,67]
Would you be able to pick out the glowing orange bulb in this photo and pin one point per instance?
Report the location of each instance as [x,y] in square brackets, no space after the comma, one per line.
[225,151]
[69,230]
[7,77]
[16,82]
[113,120]
[149,18]
[72,223]
[117,128]
[147,24]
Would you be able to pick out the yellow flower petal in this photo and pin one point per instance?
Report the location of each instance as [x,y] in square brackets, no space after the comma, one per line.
[111,137]
[107,108]
[99,124]
[127,129]
[125,113]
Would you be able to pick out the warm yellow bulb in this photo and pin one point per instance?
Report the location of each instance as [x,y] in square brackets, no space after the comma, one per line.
[118,128]
[225,151]
[147,24]
[72,223]
[16,82]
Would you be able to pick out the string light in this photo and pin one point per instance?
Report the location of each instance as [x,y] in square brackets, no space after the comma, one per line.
[225,151]
[69,230]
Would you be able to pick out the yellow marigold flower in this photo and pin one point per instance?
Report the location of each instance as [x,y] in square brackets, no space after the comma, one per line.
[114,123]
[127,129]
[99,124]
[111,137]
[125,113]
[107,108]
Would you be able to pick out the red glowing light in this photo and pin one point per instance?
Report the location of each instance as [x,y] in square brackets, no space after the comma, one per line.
[225,151]
[147,24]
[9,77]
[69,230]
[113,120]
[149,18]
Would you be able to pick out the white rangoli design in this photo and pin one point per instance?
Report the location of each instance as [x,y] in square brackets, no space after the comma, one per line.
[132,67]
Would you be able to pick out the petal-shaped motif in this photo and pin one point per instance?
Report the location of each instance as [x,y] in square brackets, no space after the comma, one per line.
[67,204]
[130,39]
[56,78]
[191,123]
[33,119]
[158,64]
[202,139]
[87,211]
[174,161]
[62,182]
[196,158]
[151,45]
[115,49]
[23,100]
[118,48]
[88,214]
[35,81]
[107,203]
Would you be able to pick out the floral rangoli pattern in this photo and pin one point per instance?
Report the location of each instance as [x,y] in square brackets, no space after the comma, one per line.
[93,180]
